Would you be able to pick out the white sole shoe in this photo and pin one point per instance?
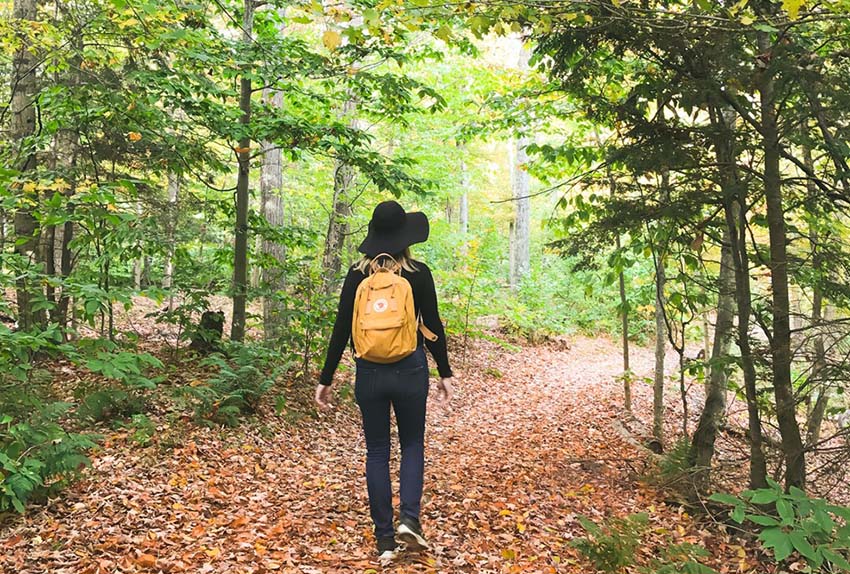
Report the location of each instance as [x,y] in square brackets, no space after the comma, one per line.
[387,556]
[413,540]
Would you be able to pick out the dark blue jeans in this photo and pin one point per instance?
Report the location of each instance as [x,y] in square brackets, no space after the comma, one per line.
[404,385]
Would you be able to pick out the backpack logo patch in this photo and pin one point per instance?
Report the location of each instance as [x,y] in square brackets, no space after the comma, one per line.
[380,305]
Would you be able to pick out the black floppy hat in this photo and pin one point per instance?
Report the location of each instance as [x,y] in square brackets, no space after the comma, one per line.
[391,230]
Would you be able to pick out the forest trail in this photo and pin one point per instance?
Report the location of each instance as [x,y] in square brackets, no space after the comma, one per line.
[528,444]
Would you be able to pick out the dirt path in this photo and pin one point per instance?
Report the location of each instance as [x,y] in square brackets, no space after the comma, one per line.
[528,445]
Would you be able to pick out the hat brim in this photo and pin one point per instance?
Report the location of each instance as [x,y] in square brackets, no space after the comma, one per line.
[414,230]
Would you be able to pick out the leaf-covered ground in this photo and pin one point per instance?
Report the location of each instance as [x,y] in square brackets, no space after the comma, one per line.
[530,442]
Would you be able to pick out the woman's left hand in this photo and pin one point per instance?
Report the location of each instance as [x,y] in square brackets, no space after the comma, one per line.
[323,396]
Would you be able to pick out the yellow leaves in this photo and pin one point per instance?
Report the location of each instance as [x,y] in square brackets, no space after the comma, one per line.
[134,136]
[793,7]
[30,187]
[520,526]
[331,39]
[746,20]
[213,552]
[508,553]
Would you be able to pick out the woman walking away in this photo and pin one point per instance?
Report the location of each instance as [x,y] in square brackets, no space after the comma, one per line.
[388,309]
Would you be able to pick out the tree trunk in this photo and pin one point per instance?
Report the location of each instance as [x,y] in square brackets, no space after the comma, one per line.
[168,272]
[522,202]
[271,196]
[660,352]
[522,213]
[463,211]
[22,128]
[702,444]
[67,149]
[786,407]
[240,248]
[139,263]
[338,226]
[816,416]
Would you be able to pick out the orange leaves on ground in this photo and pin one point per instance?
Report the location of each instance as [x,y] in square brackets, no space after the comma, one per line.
[509,469]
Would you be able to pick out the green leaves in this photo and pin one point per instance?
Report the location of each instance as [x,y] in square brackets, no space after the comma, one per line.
[798,524]
[778,541]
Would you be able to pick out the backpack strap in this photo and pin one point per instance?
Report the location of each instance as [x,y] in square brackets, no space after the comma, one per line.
[426,332]
[375,266]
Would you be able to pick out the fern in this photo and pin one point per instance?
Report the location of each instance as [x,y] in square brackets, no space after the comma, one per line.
[38,457]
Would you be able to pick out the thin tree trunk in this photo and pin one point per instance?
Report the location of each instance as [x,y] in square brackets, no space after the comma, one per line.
[522,201]
[463,211]
[660,352]
[786,407]
[338,226]
[702,443]
[624,302]
[67,149]
[816,416]
[271,192]
[139,262]
[522,210]
[168,272]
[240,248]
[22,128]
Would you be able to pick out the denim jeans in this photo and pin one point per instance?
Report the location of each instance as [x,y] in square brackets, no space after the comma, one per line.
[404,385]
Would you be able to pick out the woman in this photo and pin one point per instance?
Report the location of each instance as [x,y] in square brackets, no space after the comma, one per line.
[403,384]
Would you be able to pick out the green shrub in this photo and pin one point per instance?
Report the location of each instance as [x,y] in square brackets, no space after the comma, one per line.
[236,389]
[111,403]
[38,457]
[792,521]
[612,547]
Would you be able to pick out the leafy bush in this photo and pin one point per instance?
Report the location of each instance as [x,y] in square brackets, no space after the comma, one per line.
[792,521]
[612,547]
[236,389]
[38,457]
[128,368]
[110,403]
[131,371]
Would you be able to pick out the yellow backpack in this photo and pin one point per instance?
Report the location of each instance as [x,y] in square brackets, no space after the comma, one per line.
[384,324]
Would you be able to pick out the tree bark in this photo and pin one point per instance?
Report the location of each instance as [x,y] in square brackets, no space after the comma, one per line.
[338,226]
[522,202]
[786,407]
[702,443]
[660,352]
[22,128]
[816,416]
[463,211]
[271,196]
[173,190]
[240,248]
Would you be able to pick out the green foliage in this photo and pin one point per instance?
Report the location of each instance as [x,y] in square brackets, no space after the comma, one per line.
[143,429]
[675,463]
[794,522]
[613,545]
[244,375]
[37,456]
[111,403]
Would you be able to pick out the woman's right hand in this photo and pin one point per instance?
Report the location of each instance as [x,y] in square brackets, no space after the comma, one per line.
[323,396]
[444,391]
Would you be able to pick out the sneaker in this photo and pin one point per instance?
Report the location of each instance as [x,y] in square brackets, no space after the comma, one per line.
[386,549]
[410,532]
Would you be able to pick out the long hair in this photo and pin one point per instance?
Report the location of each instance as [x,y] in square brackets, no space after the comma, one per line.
[404,259]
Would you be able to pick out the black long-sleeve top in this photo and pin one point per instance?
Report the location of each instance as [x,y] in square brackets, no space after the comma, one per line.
[424,302]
